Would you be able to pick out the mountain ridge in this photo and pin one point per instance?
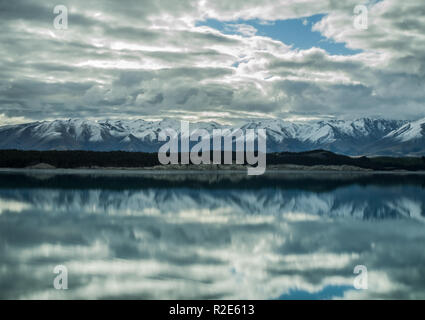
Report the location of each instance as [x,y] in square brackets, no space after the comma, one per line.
[364,136]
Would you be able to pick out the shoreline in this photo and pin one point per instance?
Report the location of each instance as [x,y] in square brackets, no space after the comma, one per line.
[156,170]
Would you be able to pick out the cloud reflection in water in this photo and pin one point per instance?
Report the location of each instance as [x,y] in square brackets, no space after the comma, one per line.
[225,237]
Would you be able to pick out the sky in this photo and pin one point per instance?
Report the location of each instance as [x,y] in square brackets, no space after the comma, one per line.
[202,60]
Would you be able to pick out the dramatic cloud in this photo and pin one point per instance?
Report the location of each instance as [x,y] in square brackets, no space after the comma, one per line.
[153,59]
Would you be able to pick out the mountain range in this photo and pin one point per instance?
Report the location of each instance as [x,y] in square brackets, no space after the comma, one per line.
[363,136]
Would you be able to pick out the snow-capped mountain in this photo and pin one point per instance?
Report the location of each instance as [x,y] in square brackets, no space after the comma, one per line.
[408,132]
[408,139]
[77,134]
[359,137]
[341,136]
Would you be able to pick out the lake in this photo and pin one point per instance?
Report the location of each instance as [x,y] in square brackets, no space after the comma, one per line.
[204,235]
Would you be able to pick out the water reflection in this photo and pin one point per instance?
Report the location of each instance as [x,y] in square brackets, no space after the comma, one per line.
[227,236]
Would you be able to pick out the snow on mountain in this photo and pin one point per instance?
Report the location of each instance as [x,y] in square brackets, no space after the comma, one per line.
[410,131]
[358,137]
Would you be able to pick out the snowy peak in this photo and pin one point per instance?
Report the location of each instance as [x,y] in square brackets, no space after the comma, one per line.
[358,137]
[326,131]
[410,131]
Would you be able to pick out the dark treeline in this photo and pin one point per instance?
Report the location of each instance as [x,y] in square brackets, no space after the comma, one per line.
[322,157]
[78,159]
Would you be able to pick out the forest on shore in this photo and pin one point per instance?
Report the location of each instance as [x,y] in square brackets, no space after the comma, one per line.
[123,159]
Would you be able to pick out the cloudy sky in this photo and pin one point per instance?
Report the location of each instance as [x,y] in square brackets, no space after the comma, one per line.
[211,60]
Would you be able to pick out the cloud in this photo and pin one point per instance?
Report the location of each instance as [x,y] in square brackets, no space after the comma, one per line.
[243,29]
[153,60]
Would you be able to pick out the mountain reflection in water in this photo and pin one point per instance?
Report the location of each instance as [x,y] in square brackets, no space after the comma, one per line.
[206,236]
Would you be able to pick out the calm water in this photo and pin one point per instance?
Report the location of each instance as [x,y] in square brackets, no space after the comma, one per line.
[205,236]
